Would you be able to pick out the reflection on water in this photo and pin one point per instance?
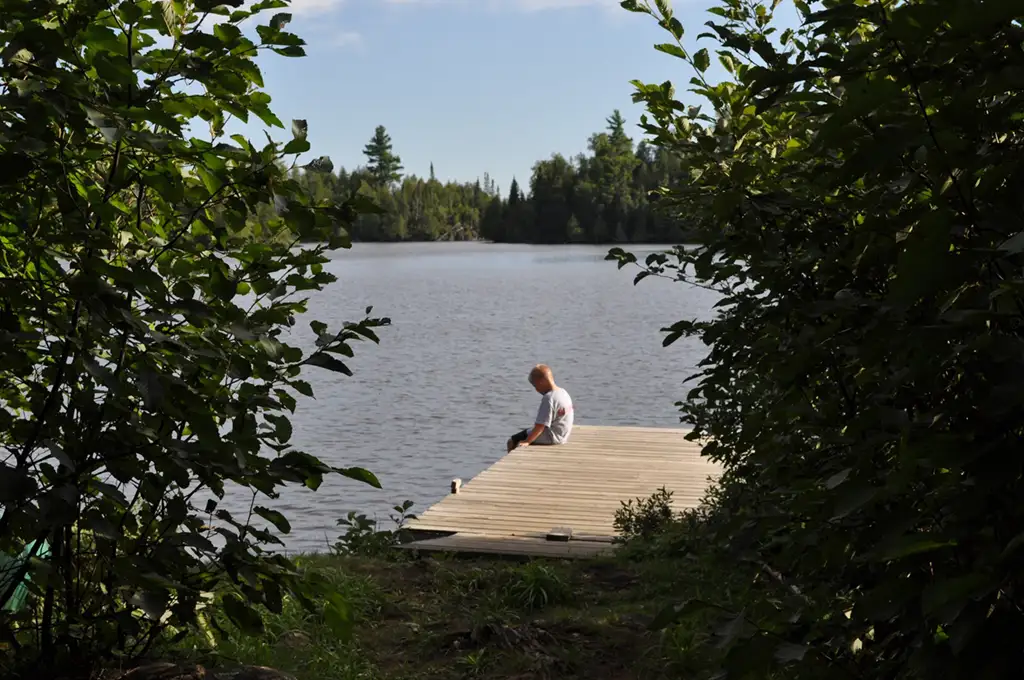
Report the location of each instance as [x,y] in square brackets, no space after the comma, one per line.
[447,385]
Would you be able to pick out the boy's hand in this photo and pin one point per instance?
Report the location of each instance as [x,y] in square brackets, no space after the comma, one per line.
[524,443]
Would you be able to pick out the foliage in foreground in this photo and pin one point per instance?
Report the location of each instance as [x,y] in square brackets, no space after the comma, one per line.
[144,368]
[857,186]
[447,619]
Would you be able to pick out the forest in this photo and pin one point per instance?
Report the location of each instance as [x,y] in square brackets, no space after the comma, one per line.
[598,197]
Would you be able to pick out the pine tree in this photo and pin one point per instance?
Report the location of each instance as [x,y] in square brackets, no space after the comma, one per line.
[620,141]
[433,177]
[385,167]
[513,193]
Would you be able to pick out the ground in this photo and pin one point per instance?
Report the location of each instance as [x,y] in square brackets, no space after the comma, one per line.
[447,618]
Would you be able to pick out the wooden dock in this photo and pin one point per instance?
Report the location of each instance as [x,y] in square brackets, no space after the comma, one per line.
[513,507]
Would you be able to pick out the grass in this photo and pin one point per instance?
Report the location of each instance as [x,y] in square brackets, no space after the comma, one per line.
[448,618]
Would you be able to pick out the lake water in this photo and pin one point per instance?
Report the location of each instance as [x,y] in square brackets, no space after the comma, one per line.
[448,384]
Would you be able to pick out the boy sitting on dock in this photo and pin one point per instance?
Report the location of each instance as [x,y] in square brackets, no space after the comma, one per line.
[554,417]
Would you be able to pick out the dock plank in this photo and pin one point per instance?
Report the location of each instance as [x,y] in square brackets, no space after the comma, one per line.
[474,544]
[511,506]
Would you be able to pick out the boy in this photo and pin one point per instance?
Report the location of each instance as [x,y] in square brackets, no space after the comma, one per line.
[554,417]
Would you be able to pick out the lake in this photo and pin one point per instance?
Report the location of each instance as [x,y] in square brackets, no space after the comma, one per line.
[448,384]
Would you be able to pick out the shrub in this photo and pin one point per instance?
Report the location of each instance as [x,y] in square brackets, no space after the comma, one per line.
[364,536]
[854,184]
[145,369]
[644,518]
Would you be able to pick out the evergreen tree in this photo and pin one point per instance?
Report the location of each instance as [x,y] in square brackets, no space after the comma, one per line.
[433,177]
[617,136]
[513,193]
[383,164]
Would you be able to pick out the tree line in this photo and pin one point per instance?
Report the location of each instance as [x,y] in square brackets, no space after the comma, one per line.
[597,197]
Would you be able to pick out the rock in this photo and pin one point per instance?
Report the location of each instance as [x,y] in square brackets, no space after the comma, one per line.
[254,673]
[294,639]
[166,671]
[171,671]
[518,637]
[390,610]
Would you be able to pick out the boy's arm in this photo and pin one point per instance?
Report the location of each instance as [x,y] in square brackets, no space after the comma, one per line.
[542,420]
[537,430]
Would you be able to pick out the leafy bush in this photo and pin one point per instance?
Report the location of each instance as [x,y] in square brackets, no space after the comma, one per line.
[363,536]
[142,321]
[855,185]
[536,585]
[644,518]
[312,643]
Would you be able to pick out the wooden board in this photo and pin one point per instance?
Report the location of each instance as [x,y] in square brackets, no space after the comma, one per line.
[472,544]
[578,485]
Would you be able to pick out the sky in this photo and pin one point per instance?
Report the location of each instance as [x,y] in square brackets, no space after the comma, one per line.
[472,86]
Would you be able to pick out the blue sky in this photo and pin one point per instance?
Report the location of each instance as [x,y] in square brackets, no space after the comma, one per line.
[470,85]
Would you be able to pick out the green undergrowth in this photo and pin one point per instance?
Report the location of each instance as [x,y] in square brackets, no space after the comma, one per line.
[447,617]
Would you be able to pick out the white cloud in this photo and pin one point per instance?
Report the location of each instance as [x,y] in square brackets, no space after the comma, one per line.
[348,39]
[306,7]
[541,5]
[521,5]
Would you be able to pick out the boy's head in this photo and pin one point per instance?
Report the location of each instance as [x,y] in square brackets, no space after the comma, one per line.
[542,379]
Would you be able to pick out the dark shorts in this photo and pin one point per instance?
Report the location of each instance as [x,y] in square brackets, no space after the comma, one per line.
[542,440]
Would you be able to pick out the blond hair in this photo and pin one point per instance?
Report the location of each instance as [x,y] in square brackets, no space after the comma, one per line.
[541,371]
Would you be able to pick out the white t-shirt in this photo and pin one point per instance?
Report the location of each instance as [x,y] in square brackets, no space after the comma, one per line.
[555,413]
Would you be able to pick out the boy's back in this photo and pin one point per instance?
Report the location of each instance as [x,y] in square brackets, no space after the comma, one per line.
[555,413]
[553,423]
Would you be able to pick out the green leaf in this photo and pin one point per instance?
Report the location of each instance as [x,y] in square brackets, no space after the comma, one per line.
[1013,546]
[732,630]
[242,615]
[327,361]
[222,286]
[674,50]
[1014,244]
[60,455]
[912,544]
[677,612]
[361,475]
[14,483]
[853,499]
[302,387]
[297,145]
[171,16]
[837,479]
[338,616]
[283,427]
[948,597]
[274,517]
[108,127]
[153,604]
[923,259]
[299,128]
[321,164]
[788,652]
[280,20]
[364,205]
[701,60]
